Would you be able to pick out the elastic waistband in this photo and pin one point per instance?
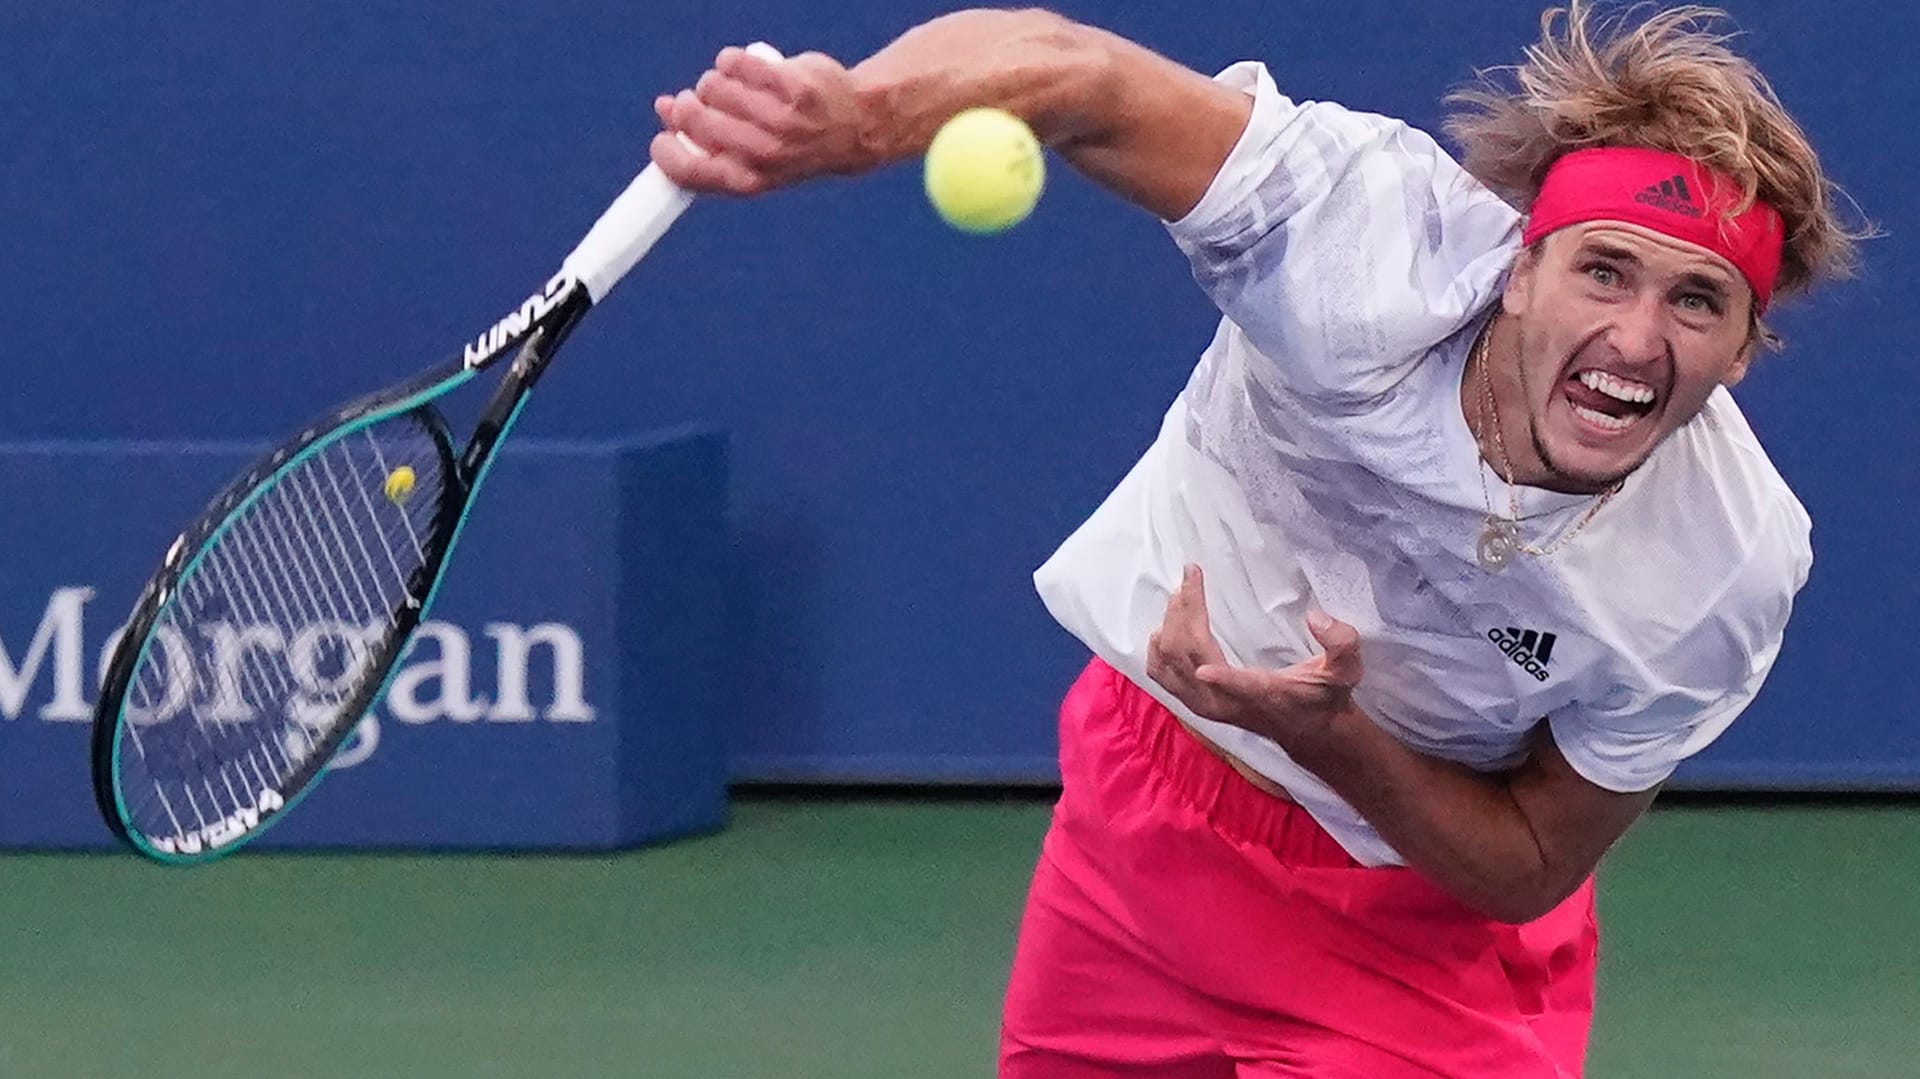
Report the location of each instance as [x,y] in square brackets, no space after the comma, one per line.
[1233,806]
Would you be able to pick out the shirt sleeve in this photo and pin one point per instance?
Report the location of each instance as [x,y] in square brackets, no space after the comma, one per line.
[1344,244]
[1685,699]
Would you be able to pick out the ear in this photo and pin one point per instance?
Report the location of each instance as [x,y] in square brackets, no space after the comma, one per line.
[1741,362]
[1756,335]
[1518,295]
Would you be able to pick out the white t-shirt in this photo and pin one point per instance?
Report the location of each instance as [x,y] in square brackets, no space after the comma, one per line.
[1319,457]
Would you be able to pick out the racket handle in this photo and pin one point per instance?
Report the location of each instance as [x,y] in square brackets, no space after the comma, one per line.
[637,219]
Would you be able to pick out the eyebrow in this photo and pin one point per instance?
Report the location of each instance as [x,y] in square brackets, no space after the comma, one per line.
[1696,278]
[1705,283]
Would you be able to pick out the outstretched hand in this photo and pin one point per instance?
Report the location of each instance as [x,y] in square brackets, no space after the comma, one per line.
[763,124]
[1286,705]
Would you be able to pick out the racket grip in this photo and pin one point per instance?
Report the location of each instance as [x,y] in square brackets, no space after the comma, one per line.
[637,219]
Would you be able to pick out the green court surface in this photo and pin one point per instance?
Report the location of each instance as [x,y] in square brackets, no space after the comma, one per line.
[854,937]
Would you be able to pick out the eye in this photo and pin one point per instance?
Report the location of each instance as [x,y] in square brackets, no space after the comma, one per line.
[1700,302]
[1603,274]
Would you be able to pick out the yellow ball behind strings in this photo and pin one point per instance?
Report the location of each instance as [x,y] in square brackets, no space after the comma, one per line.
[400,484]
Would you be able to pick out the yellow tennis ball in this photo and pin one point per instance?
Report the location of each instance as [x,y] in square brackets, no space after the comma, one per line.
[985,170]
[400,484]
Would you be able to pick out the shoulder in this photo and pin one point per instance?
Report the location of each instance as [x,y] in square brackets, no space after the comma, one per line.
[1710,548]
[1343,244]
[1295,153]
[1739,497]
[1758,516]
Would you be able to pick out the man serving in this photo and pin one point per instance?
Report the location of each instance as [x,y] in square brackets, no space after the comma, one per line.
[1453,547]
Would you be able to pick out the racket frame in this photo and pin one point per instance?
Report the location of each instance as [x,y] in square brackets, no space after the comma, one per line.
[533,349]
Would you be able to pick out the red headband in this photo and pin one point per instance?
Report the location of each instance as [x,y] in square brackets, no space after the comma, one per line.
[1667,193]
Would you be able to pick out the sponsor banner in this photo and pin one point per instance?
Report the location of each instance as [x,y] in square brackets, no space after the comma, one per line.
[560,694]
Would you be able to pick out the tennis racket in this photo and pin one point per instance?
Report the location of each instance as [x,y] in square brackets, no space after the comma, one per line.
[277,617]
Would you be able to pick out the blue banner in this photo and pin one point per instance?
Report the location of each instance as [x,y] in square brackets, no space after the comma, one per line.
[222,214]
[566,690]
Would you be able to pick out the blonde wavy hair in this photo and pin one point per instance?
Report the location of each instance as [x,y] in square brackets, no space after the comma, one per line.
[1664,80]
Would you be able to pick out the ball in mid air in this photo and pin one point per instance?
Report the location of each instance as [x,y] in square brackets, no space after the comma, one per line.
[984,170]
[400,484]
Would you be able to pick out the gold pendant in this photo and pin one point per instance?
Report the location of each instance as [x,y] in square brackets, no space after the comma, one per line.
[1498,541]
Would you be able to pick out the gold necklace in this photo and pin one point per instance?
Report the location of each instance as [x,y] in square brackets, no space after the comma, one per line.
[1500,536]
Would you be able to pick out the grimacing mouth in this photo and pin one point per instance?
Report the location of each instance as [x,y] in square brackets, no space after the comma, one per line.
[1608,399]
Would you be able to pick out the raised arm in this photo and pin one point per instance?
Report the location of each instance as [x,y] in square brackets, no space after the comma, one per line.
[1137,123]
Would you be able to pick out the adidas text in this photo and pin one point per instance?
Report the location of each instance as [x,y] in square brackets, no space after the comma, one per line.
[1528,649]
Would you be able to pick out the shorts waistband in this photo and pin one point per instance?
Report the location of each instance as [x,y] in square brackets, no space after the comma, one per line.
[1228,800]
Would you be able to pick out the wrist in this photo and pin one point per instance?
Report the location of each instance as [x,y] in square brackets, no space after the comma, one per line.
[1053,73]
[878,137]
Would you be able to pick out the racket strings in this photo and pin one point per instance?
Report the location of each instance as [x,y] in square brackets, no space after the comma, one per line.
[279,623]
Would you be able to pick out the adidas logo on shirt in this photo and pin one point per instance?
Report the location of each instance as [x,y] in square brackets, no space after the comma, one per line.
[1671,195]
[1529,649]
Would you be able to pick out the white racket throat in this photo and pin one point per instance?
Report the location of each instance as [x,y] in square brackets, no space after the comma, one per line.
[637,219]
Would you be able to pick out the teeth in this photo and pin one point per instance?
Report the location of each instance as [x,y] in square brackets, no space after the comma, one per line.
[1619,389]
[1611,423]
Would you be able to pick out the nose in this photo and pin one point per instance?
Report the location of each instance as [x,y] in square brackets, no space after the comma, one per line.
[1639,333]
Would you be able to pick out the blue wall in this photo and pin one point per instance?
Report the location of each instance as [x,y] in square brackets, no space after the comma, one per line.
[222,215]
[560,694]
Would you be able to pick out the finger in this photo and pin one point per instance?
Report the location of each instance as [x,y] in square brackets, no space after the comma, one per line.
[1187,690]
[1240,684]
[1176,639]
[737,99]
[775,78]
[1162,669]
[1181,602]
[1169,663]
[1196,623]
[705,173]
[1341,660]
[1170,668]
[1193,584]
[720,134]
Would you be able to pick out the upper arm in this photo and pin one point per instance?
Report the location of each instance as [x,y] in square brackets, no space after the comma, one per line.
[1167,129]
[1343,244]
[1670,703]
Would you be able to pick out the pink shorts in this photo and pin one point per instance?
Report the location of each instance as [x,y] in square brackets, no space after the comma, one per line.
[1183,924]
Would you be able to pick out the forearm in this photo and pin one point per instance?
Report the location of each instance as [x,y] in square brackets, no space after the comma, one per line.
[1471,832]
[1152,131]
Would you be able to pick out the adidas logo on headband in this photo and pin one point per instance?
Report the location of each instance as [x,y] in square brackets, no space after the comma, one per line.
[1670,195]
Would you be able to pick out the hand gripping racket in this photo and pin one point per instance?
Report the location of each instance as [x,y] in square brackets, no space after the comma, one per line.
[277,617]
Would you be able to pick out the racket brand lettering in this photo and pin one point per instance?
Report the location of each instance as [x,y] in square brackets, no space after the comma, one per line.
[223,831]
[530,673]
[508,332]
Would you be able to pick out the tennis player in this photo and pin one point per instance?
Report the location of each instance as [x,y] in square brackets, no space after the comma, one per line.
[1453,547]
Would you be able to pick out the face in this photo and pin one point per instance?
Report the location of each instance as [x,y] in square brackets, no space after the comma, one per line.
[1622,334]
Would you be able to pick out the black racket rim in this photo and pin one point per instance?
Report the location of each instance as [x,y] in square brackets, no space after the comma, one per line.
[161,591]
[464,477]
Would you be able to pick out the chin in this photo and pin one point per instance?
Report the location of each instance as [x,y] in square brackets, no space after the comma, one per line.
[1578,480]
[1584,469]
